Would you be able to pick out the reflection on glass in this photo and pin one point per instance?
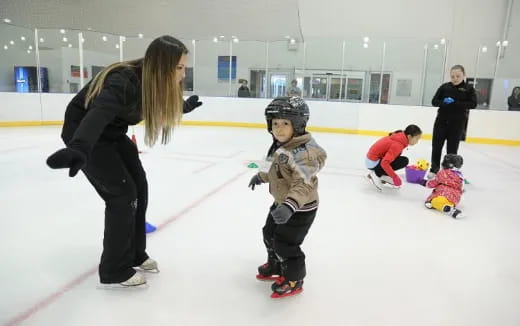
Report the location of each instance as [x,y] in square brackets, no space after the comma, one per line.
[483,90]
[337,85]
[278,85]
[17,60]
[319,87]
[256,86]
[375,80]
[355,89]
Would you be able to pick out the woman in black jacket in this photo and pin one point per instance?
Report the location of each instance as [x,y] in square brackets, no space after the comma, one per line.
[513,101]
[454,99]
[94,131]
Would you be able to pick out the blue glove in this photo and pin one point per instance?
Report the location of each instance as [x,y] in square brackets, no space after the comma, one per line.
[281,214]
[448,100]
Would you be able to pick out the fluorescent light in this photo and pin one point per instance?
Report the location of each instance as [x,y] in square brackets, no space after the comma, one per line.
[6,47]
[70,45]
[436,46]
[22,38]
[484,49]
[235,40]
[505,43]
[365,45]
[104,38]
[140,35]
[366,39]
[7,20]
[293,41]
[117,46]
[30,47]
[29,51]
[215,39]
[64,39]
[42,40]
[443,41]
[62,31]
[11,42]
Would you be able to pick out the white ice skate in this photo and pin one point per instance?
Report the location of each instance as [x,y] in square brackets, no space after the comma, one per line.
[374,179]
[388,182]
[453,212]
[149,266]
[136,280]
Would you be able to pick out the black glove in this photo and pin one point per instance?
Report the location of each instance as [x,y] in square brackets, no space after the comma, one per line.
[255,181]
[67,158]
[191,103]
[281,214]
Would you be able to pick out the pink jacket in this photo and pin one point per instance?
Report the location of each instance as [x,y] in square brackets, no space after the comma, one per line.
[447,183]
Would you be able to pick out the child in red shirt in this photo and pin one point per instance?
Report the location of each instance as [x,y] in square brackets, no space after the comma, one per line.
[384,156]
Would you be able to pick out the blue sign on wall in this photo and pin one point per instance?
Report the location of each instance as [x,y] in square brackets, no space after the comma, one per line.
[26,79]
[223,67]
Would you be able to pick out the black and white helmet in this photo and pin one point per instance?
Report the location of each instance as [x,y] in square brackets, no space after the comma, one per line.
[452,161]
[292,108]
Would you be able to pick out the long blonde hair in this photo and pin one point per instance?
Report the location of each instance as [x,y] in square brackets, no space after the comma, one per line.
[161,95]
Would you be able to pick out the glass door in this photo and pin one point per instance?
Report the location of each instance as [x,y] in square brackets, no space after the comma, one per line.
[278,84]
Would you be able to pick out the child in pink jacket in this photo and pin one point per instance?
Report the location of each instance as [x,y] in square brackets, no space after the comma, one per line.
[447,187]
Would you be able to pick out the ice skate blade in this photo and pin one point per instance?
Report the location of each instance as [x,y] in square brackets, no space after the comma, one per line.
[369,179]
[267,278]
[275,295]
[151,271]
[120,287]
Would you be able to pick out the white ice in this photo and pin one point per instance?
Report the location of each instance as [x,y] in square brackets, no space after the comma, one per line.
[372,258]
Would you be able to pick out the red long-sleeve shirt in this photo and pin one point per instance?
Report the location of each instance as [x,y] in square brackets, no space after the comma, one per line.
[387,149]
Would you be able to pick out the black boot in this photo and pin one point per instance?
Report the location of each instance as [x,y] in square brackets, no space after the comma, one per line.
[284,288]
[270,270]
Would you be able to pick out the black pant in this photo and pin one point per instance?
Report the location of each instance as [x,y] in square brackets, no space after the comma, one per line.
[285,241]
[399,163]
[449,131]
[115,171]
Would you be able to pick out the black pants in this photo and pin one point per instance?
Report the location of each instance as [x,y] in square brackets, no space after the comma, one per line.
[285,240]
[399,163]
[115,171]
[449,131]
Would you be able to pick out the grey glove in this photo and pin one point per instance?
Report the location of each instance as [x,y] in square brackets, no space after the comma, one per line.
[281,214]
[255,181]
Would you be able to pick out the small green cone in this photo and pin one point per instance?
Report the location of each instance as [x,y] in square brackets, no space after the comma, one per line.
[466,182]
[252,166]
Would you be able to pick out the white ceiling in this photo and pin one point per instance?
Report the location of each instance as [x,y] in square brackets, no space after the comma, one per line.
[265,19]
[190,19]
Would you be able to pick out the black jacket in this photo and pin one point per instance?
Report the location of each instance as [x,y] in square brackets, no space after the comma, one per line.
[465,98]
[108,116]
[513,103]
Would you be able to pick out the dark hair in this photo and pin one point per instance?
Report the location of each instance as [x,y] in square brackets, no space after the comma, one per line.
[514,89]
[459,67]
[411,130]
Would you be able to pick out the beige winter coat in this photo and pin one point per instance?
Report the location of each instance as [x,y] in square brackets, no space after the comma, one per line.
[292,176]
